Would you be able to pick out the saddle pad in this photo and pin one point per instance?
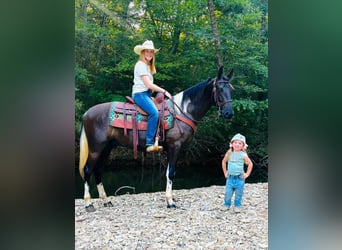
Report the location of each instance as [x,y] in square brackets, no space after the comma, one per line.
[119,119]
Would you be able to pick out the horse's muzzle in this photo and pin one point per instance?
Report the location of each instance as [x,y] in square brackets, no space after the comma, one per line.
[227,114]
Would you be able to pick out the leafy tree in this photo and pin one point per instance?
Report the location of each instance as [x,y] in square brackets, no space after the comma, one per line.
[107,31]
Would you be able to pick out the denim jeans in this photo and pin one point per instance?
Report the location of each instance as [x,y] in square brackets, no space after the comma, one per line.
[144,101]
[234,184]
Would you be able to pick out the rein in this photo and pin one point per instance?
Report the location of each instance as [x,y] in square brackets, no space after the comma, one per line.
[186,116]
[188,120]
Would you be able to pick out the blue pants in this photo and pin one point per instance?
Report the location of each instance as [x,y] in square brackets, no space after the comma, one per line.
[144,101]
[234,184]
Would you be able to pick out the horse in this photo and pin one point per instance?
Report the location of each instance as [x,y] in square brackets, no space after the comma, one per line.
[98,137]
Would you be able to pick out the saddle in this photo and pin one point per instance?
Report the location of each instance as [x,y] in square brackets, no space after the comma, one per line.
[130,116]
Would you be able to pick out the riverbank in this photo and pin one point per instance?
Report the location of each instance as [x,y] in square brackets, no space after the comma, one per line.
[142,221]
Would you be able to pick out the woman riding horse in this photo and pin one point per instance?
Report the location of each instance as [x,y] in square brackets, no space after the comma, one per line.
[142,90]
[98,136]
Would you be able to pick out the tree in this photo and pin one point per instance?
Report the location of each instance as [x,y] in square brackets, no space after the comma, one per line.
[107,31]
[215,32]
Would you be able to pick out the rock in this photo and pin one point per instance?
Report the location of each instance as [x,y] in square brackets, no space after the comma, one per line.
[142,221]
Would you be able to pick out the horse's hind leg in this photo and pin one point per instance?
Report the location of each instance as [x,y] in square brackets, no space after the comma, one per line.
[88,204]
[98,170]
[100,188]
[92,167]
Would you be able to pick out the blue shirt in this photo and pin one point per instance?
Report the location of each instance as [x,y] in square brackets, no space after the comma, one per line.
[236,163]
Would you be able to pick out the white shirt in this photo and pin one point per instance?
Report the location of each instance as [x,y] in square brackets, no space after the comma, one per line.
[141,69]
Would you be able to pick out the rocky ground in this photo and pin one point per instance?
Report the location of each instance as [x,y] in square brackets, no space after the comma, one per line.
[142,221]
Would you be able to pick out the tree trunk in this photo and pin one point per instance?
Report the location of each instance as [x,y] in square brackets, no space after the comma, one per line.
[99,51]
[215,33]
[175,41]
[84,5]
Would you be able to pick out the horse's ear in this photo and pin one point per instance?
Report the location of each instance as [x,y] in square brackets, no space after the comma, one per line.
[220,72]
[230,75]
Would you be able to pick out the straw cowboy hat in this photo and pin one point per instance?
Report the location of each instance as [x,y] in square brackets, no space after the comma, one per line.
[148,44]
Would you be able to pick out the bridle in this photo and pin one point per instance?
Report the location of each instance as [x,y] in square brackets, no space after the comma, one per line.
[218,103]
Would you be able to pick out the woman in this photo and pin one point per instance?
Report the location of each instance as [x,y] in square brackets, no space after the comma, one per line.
[142,90]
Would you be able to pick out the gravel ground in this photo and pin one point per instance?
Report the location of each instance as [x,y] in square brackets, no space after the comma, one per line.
[142,221]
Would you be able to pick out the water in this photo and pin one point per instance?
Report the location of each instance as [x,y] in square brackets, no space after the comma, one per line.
[141,179]
[132,177]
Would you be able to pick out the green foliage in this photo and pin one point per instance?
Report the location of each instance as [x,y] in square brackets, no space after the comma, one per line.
[78,118]
[107,31]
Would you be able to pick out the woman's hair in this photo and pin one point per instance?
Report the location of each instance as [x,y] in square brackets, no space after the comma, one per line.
[152,64]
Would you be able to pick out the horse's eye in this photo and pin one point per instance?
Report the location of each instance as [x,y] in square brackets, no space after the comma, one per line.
[220,84]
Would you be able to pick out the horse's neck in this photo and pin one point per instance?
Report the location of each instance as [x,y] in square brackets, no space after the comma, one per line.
[198,105]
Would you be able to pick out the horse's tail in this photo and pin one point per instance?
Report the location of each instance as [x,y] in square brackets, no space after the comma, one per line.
[83,152]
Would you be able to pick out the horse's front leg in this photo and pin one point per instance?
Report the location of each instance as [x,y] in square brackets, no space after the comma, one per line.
[170,173]
[172,157]
[169,201]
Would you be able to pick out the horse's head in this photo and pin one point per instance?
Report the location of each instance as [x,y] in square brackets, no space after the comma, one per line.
[222,95]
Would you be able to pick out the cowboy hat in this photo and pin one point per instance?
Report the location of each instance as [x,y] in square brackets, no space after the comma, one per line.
[148,44]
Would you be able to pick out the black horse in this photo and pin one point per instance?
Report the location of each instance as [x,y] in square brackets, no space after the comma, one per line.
[98,137]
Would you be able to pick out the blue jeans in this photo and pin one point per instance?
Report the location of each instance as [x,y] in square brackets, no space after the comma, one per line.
[234,184]
[144,101]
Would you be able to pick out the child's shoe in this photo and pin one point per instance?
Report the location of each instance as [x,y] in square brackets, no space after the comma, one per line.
[225,208]
[237,209]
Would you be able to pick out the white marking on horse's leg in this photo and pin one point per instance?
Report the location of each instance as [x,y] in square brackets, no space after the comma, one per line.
[168,192]
[86,194]
[102,193]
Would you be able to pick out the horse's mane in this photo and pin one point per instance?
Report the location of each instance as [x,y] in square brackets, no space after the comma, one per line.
[196,91]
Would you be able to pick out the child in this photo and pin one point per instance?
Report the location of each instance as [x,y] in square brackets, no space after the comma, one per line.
[235,158]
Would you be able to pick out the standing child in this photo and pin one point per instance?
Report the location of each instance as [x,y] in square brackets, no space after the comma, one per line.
[232,166]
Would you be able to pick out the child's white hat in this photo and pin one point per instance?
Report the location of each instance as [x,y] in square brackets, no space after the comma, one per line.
[239,137]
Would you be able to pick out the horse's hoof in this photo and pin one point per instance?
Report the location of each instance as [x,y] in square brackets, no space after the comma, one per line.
[90,208]
[108,204]
[171,206]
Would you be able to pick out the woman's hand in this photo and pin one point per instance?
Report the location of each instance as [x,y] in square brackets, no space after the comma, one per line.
[167,94]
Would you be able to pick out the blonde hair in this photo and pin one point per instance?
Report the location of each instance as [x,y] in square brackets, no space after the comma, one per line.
[151,64]
[229,153]
[230,150]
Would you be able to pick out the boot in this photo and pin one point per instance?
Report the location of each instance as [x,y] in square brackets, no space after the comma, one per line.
[155,147]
